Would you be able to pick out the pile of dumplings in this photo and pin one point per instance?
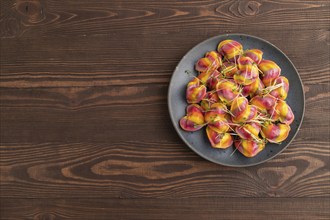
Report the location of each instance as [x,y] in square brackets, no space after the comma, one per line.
[240,98]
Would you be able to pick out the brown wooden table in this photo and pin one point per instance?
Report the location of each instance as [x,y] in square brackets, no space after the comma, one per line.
[85,130]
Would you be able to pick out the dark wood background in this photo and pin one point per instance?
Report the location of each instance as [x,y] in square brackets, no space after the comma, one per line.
[85,131]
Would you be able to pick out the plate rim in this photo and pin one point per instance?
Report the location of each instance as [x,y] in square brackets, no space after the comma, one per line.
[199,153]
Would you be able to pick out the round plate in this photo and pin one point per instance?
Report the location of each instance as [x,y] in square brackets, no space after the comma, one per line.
[198,140]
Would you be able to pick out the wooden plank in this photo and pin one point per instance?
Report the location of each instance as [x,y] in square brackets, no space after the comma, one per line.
[122,60]
[71,115]
[157,170]
[199,208]
[31,18]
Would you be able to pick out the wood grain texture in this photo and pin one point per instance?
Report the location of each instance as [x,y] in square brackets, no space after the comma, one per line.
[84,126]
[73,115]
[165,209]
[23,17]
[157,170]
[129,59]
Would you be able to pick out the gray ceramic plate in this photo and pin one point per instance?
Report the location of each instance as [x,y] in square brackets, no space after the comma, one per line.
[198,140]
